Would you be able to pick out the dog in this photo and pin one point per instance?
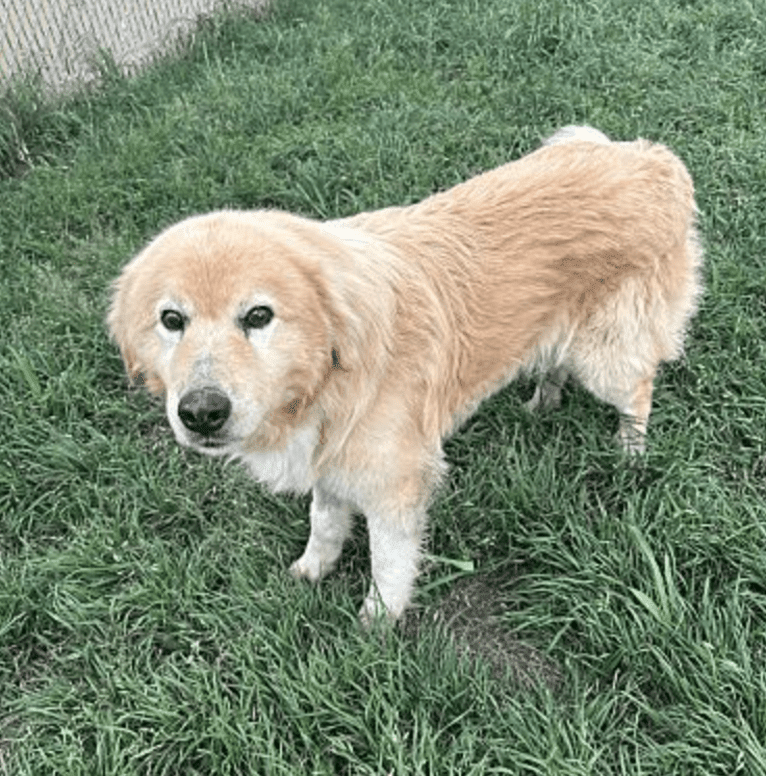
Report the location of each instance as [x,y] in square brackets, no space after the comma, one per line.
[335,357]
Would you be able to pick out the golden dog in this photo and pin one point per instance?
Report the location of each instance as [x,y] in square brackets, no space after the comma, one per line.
[335,357]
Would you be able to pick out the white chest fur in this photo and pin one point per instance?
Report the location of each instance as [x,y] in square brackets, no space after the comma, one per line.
[289,469]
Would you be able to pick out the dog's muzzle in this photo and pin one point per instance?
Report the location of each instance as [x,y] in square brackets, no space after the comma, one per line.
[204,410]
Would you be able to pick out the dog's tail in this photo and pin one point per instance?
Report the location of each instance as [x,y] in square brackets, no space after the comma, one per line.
[574,132]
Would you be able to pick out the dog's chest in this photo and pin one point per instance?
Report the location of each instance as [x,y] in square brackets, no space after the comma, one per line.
[289,469]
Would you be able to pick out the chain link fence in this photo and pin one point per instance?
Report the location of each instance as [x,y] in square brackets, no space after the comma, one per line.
[63,41]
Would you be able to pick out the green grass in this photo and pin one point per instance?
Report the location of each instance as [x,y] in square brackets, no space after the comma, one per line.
[615,620]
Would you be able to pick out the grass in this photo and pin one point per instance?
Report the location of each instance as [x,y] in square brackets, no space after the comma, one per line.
[615,618]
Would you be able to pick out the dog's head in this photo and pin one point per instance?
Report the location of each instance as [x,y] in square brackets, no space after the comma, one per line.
[229,315]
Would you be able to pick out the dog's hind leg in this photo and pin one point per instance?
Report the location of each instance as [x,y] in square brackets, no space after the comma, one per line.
[548,392]
[634,416]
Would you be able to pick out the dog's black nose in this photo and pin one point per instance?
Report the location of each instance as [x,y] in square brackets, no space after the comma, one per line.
[204,410]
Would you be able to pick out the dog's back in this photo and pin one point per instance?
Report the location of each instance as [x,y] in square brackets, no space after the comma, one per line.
[582,255]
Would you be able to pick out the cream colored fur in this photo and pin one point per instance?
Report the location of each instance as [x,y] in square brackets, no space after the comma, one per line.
[389,328]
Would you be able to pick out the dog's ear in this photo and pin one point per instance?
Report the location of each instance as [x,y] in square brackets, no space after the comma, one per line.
[129,323]
[359,307]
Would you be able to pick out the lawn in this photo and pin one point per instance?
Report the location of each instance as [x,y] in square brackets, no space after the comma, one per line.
[578,613]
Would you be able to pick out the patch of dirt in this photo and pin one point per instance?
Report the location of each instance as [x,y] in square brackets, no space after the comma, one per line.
[471,613]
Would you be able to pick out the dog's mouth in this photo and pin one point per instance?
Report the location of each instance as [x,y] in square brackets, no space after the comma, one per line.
[212,444]
[206,445]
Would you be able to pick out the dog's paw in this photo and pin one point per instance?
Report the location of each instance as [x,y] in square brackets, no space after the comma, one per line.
[631,438]
[374,614]
[317,561]
[547,397]
[632,445]
[535,402]
[308,567]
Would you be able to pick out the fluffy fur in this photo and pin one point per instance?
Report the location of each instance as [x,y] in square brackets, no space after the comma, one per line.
[335,357]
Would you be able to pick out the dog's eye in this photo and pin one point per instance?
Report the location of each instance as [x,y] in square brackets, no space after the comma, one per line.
[172,320]
[257,317]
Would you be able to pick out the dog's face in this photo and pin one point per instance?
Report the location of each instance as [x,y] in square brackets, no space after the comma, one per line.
[230,318]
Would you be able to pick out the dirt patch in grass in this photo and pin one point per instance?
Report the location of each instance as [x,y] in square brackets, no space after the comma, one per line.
[471,614]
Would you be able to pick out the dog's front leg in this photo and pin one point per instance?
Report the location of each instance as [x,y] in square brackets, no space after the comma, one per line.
[330,526]
[394,548]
